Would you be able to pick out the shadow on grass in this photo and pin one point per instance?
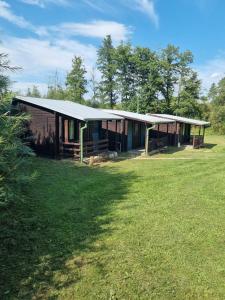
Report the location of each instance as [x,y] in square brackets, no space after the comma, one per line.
[68,210]
[209,146]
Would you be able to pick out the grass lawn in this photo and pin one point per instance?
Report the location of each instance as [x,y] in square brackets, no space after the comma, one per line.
[131,229]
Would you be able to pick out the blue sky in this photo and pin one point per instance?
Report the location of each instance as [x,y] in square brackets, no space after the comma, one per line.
[42,36]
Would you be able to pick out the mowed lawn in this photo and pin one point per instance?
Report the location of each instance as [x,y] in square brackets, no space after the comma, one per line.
[130,229]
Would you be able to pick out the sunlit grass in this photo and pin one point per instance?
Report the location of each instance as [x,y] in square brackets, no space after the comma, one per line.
[131,229]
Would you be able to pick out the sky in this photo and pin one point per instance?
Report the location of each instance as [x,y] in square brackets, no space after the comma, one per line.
[42,36]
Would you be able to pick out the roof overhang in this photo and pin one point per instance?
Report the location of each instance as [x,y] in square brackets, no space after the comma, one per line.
[68,108]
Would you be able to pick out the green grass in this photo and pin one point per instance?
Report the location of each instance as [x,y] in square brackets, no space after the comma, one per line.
[131,229]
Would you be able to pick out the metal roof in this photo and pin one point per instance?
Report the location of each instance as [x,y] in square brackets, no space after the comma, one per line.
[182,119]
[138,117]
[71,109]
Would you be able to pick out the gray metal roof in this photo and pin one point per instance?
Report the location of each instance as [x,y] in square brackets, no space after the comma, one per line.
[138,117]
[182,119]
[71,109]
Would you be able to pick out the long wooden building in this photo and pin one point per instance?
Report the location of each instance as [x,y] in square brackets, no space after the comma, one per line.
[60,128]
[186,131]
[132,132]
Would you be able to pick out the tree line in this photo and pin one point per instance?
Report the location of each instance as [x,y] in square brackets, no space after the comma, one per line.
[134,78]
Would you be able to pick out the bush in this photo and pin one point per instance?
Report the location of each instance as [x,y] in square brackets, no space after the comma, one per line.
[14,154]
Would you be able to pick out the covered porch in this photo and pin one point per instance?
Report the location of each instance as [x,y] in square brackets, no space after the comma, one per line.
[80,139]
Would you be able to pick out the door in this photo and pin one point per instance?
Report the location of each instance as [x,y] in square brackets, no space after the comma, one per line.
[129,136]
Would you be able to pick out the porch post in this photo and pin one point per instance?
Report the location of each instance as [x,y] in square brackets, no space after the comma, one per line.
[56,139]
[203,135]
[147,138]
[82,142]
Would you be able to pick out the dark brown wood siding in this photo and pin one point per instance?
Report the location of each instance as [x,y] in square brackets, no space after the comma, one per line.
[41,129]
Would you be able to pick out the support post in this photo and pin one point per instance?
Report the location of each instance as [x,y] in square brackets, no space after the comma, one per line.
[147,138]
[203,135]
[82,142]
[56,140]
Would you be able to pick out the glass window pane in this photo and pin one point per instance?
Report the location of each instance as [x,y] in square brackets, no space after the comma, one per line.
[71,130]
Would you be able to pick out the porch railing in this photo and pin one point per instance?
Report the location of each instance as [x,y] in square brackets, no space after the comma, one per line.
[157,143]
[197,141]
[92,147]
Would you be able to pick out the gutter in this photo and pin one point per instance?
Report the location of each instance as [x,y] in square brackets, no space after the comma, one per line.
[147,138]
[82,142]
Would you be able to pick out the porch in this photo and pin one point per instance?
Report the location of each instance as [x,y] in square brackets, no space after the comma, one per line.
[79,139]
[70,149]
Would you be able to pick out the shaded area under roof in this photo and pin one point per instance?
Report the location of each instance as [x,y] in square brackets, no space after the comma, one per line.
[139,117]
[69,108]
[182,119]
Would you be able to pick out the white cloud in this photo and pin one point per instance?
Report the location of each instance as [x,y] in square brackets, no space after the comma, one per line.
[43,3]
[7,14]
[97,29]
[41,58]
[212,71]
[148,7]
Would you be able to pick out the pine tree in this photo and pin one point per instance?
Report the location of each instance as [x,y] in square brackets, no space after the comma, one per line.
[76,81]
[106,64]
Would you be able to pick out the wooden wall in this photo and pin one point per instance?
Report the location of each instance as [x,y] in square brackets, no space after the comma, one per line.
[41,129]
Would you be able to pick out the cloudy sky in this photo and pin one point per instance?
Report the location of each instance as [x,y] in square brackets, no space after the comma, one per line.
[42,36]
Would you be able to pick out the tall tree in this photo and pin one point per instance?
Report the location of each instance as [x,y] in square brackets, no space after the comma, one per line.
[107,66]
[33,92]
[173,66]
[76,82]
[187,102]
[125,71]
[147,78]
[217,118]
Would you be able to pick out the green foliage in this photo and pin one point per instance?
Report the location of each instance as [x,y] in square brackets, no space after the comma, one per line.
[217,97]
[173,66]
[140,80]
[4,79]
[13,153]
[106,64]
[56,92]
[187,103]
[33,92]
[125,75]
[76,81]
[147,78]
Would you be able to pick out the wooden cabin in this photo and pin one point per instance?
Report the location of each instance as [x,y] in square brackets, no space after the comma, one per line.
[186,131]
[130,133]
[64,128]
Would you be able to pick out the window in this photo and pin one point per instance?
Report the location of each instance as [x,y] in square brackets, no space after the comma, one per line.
[71,130]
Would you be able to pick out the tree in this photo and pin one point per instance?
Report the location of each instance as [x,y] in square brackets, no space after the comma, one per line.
[33,92]
[76,81]
[4,79]
[217,96]
[93,84]
[13,152]
[147,79]
[173,66]
[187,102]
[106,64]
[125,74]
[55,88]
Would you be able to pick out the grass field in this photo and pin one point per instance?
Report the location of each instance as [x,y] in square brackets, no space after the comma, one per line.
[130,229]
